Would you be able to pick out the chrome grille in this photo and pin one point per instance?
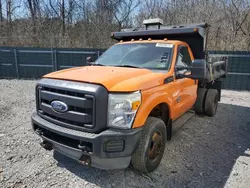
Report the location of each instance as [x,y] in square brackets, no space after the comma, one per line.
[80,112]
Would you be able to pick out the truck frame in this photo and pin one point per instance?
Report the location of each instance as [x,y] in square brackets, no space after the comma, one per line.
[120,110]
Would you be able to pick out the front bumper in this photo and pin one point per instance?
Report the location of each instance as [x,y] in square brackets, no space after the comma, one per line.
[110,149]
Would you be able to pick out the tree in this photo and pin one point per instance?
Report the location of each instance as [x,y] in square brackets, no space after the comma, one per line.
[62,15]
[1,11]
[88,23]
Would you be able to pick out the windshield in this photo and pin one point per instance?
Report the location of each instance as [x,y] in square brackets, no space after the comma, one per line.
[141,55]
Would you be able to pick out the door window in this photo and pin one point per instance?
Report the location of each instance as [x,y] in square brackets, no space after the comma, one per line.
[183,59]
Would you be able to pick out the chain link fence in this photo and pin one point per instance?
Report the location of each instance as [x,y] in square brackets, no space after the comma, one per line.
[32,63]
[26,63]
[238,77]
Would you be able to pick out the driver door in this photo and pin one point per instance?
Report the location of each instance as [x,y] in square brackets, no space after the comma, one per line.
[188,87]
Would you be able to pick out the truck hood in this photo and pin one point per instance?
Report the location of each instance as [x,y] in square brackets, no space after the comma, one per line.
[116,79]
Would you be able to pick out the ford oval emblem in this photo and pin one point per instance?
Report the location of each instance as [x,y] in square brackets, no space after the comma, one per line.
[59,106]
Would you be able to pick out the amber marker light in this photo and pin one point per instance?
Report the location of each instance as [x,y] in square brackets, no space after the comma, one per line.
[135,105]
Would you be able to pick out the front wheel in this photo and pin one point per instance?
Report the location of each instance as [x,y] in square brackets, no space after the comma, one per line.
[150,150]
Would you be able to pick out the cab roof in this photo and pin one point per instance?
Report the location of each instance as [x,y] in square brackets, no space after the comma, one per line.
[150,41]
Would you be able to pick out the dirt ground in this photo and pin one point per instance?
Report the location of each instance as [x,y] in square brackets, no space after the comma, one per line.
[205,152]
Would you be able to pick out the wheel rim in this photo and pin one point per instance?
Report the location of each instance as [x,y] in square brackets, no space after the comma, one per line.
[156,146]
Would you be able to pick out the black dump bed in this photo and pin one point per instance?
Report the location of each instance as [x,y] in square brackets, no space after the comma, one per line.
[195,35]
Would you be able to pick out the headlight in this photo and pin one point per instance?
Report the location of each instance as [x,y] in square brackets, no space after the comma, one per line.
[122,109]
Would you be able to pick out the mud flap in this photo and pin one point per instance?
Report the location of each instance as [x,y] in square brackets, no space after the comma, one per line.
[169,129]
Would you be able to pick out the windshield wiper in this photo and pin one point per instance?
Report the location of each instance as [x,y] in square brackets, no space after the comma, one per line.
[129,66]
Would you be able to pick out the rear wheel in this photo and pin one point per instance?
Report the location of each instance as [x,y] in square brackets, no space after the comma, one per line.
[150,150]
[211,102]
[199,103]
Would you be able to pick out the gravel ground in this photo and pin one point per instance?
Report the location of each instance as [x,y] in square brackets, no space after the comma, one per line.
[205,152]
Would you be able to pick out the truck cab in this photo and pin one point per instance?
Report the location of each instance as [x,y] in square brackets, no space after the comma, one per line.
[120,109]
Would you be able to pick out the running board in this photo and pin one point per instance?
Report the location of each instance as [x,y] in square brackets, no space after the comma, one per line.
[178,123]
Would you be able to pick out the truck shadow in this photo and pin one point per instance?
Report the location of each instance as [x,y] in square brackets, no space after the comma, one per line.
[201,153]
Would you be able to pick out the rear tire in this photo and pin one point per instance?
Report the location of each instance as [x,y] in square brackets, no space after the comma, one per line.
[199,103]
[150,149]
[211,102]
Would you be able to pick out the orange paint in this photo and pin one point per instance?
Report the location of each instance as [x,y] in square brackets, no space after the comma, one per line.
[151,84]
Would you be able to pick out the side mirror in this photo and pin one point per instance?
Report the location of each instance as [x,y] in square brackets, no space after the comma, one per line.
[199,69]
[89,60]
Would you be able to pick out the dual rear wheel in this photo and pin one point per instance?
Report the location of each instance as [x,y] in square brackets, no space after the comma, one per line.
[206,102]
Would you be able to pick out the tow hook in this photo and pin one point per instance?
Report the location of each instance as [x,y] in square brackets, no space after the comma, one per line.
[85,160]
[46,145]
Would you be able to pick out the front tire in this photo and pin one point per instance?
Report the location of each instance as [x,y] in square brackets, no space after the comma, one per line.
[150,149]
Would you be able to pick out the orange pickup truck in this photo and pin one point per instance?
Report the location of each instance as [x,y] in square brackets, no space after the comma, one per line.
[119,110]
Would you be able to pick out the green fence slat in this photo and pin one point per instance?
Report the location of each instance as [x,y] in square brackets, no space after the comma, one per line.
[35,62]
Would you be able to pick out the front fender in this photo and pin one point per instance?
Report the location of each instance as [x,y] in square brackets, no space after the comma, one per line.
[150,99]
